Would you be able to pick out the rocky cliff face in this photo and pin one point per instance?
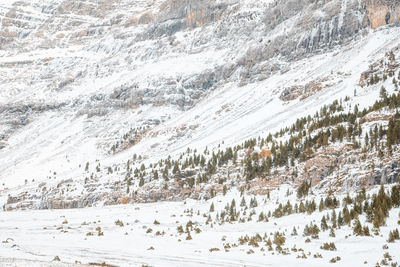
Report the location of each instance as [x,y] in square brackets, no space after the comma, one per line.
[96,39]
[382,12]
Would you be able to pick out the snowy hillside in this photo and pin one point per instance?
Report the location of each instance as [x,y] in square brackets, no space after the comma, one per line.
[78,80]
[124,102]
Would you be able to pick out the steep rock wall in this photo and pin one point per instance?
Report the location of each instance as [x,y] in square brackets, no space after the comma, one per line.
[382,12]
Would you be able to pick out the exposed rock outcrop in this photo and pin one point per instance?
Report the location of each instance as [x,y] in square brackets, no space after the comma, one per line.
[383,12]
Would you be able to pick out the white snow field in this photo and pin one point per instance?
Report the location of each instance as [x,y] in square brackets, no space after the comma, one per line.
[35,238]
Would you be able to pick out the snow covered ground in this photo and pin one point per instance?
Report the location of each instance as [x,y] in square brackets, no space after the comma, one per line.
[35,238]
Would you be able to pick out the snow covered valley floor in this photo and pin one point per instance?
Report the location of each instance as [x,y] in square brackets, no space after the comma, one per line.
[191,234]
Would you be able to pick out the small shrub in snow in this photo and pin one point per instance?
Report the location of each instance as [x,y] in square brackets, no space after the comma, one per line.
[250,251]
[188,237]
[180,229]
[294,232]
[335,259]
[279,239]
[119,223]
[328,246]
[302,256]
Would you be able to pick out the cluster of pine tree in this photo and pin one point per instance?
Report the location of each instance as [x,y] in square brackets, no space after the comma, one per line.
[393,235]
[260,156]
[327,126]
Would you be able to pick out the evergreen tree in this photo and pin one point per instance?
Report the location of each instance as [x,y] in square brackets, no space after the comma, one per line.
[212,207]
[346,215]
[333,219]
[366,230]
[383,93]
[332,232]
[303,189]
[395,196]
[243,202]
[340,220]
[321,206]
[224,190]
[324,225]
[294,232]
[357,230]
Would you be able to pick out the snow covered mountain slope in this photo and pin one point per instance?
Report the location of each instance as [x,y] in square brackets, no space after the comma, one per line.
[77,77]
